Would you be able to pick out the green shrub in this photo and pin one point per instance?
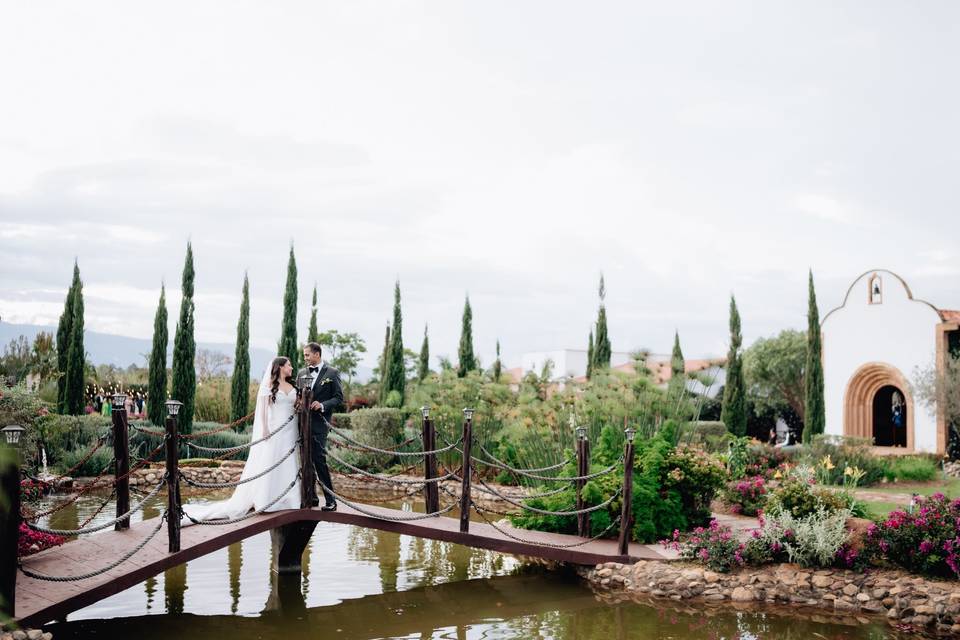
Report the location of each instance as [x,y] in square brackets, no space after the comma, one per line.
[911,469]
[342,421]
[797,496]
[710,434]
[141,444]
[381,428]
[811,540]
[92,467]
[832,455]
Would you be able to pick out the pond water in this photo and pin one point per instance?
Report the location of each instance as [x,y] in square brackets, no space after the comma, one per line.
[360,583]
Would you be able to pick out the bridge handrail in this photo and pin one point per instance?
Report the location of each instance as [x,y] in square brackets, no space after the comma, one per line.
[589,476]
[507,467]
[235,483]
[382,516]
[376,476]
[241,447]
[100,527]
[102,570]
[393,452]
[246,516]
[540,543]
[547,512]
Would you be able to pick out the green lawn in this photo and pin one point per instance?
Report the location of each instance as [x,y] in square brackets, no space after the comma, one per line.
[949,487]
[880,510]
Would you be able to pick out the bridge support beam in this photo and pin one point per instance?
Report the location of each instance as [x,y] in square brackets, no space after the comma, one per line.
[288,543]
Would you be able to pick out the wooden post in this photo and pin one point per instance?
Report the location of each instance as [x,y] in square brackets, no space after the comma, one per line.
[121,456]
[627,495]
[583,468]
[431,493]
[465,471]
[9,527]
[173,479]
[308,485]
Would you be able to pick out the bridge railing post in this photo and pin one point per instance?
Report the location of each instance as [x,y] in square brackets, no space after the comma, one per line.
[173,476]
[121,457]
[308,486]
[583,468]
[431,493]
[626,514]
[9,517]
[465,471]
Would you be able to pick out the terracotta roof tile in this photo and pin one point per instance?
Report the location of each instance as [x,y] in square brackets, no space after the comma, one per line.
[950,315]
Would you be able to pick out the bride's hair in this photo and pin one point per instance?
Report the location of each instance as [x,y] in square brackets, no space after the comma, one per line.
[275,368]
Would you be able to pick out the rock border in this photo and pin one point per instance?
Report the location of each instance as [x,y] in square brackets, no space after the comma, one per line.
[902,599]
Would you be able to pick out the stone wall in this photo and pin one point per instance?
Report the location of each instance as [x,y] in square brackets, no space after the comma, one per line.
[902,598]
[228,471]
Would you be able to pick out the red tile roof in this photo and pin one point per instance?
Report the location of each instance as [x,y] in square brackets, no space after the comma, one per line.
[950,315]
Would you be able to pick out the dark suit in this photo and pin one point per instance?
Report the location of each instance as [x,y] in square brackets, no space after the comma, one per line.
[328,392]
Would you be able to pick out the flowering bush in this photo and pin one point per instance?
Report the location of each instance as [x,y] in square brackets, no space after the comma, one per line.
[31,491]
[925,541]
[746,496]
[812,540]
[764,460]
[31,541]
[715,546]
[696,476]
[799,495]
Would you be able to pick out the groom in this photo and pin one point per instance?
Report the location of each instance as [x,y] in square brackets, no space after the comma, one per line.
[327,398]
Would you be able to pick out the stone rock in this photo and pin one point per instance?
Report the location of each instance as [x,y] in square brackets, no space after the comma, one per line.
[34,634]
[742,594]
[19,634]
[711,577]
[851,590]
[604,573]
[822,581]
[862,597]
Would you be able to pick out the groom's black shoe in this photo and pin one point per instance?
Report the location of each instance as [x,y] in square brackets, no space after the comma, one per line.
[315,502]
[330,506]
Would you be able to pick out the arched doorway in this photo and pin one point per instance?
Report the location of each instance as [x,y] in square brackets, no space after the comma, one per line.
[889,417]
[878,406]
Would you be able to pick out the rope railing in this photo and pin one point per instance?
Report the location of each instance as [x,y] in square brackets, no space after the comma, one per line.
[527,496]
[375,476]
[246,516]
[504,465]
[540,543]
[547,512]
[382,516]
[101,440]
[70,533]
[534,476]
[241,447]
[394,452]
[237,483]
[223,427]
[102,570]
[69,501]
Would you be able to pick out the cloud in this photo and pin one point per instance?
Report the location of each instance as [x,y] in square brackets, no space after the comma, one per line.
[827,208]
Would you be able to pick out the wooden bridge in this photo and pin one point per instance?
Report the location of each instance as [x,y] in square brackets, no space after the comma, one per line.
[57,581]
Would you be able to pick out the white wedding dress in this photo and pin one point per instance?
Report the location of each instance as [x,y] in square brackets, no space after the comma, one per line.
[269,417]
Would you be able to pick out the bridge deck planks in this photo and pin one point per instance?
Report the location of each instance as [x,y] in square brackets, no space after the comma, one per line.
[40,601]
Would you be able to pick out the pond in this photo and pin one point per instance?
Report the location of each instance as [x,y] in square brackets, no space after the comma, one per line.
[359,583]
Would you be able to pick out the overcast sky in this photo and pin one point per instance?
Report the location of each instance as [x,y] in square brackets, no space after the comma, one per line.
[512,150]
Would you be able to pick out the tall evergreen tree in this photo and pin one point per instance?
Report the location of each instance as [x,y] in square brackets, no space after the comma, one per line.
[288,328]
[424,369]
[240,385]
[814,413]
[183,383]
[313,335]
[677,365]
[396,376]
[63,340]
[468,362]
[601,346]
[497,366]
[734,410]
[591,352]
[74,394]
[157,385]
[384,365]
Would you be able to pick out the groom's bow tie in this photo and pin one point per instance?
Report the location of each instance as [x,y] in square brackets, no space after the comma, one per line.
[313,369]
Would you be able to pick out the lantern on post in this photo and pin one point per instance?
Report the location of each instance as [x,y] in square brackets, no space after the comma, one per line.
[11,435]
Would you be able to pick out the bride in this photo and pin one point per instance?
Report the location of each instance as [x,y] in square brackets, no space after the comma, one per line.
[276,408]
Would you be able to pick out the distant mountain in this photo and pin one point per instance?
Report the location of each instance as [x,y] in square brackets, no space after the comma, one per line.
[122,351]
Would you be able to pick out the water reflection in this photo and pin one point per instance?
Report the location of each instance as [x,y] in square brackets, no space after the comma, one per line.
[359,583]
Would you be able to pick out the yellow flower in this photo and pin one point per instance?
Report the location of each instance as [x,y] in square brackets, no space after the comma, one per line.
[778,475]
[848,471]
[827,462]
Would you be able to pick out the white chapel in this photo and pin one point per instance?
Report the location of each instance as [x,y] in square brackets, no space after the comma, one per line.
[873,344]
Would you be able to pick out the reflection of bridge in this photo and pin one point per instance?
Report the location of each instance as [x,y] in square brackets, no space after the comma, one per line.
[57,581]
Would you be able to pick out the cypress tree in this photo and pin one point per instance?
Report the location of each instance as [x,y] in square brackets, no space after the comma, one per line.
[424,369]
[76,358]
[677,365]
[240,385]
[591,352]
[814,413]
[157,386]
[497,366]
[183,383]
[63,340]
[734,410]
[288,328]
[396,376]
[468,361]
[601,347]
[312,334]
[384,365]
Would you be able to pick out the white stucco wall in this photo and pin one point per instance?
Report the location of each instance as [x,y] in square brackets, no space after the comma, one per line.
[566,362]
[900,332]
